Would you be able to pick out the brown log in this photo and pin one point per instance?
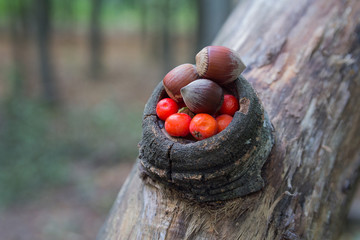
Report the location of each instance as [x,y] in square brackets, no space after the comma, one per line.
[303,60]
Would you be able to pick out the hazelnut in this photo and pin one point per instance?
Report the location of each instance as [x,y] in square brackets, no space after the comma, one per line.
[177,78]
[220,64]
[203,96]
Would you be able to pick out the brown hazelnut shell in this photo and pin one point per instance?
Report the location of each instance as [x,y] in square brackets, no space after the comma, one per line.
[177,78]
[219,63]
[203,96]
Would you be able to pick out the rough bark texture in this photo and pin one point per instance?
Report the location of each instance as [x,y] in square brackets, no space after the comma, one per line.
[303,60]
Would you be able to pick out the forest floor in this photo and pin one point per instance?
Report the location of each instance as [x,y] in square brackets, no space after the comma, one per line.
[73,212]
[76,210]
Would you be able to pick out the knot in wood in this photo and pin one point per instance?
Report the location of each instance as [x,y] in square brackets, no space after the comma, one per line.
[222,167]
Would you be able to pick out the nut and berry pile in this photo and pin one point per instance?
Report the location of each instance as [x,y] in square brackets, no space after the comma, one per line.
[197,102]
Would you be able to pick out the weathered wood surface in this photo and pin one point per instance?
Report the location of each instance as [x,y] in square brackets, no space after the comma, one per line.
[303,59]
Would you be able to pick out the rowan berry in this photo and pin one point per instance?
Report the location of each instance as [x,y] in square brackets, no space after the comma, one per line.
[223,121]
[203,126]
[177,124]
[230,105]
[166,107]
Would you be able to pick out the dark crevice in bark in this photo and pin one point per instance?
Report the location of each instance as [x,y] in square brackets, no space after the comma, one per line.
[149,115]
[170,162]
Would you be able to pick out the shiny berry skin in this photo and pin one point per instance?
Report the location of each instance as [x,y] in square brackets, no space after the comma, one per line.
[166,107]
[177,125]
[230,105]
[223,121]
[203,126]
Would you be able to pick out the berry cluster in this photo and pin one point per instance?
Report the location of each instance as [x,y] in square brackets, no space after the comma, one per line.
[201,125]
[197,105]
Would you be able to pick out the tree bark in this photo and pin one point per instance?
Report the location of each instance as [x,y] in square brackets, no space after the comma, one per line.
[303,60]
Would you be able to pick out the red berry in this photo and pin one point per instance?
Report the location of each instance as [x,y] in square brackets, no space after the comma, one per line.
[230,105]
[177,125]
[165,108]
[203,126]
[223,121]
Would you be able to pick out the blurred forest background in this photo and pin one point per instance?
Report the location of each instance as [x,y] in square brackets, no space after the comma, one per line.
[74,78]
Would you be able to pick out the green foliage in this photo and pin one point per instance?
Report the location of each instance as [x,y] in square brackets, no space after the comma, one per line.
[10,8]
[107,132]
[37,144]
[116,14]
[30,159]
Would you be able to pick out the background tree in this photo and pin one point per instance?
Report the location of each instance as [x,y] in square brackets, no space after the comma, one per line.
[43,19]
[96,43]
[211,15]
[19,29]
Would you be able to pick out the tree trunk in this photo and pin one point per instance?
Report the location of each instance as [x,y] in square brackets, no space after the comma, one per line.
[167,51]
[43,12]
[96,50]
[19,35]
[211,14]
[303,60]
